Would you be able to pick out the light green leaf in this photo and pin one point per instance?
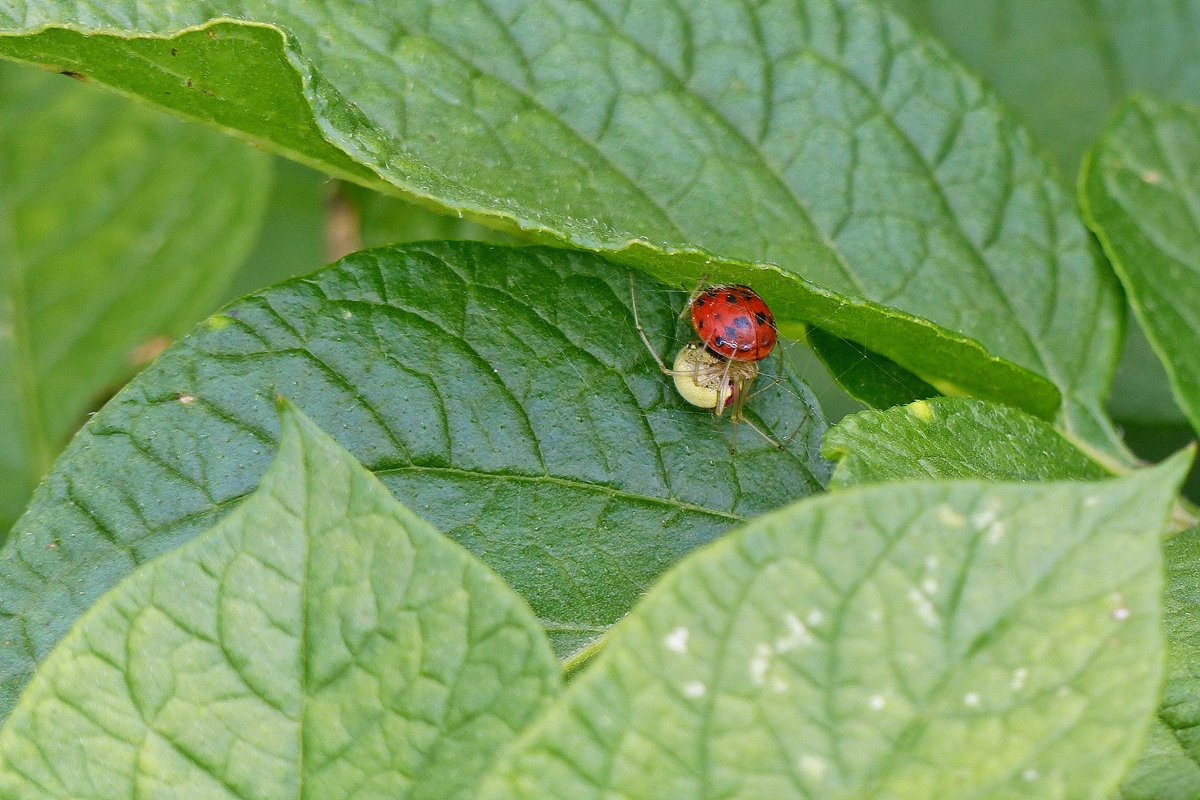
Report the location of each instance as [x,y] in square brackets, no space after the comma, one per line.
[907,640]
[867,377]
[952,437]
[1140,190]
[884,181]
[1065,64]
[389,220]
[503,394]
[1170,767]
[119,229]
[322,641]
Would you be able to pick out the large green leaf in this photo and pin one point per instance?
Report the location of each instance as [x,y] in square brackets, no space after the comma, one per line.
[1170,767]
[1140,189]
[119,229]
[907,640]
[708,136]
[867,377]
[323,641]
[952,437]
[501,393]
[1065,64]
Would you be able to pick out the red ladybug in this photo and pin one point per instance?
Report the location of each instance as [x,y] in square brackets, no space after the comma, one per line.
[733,321]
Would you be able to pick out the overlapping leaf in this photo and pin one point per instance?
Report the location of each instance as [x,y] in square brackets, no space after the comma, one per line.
[952,437]
[1141,192]
[822,137]
[922,639]
[503,394]
[119,229]
[322,641]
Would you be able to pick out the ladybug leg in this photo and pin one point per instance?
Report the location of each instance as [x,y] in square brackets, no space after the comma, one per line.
[637,320]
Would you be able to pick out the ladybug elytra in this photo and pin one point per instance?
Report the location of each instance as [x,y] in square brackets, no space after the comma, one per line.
[734,322]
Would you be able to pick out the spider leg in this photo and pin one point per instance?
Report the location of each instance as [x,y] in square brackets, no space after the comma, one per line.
[692,297]
[637,320]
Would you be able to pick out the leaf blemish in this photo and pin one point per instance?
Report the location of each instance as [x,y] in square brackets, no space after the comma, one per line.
[813,767]
[924,608]
[877,702]
[995,533]
[949,516]
[694,690]
[677,640]
[760,663]
[797,636]
[1018,678]
[971,699]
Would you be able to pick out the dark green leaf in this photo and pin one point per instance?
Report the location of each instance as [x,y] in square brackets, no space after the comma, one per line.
[1140,190]
[952,437]
[503,394]
[867,377]
[932,640]
[704,137]
[322,641]
[119,230]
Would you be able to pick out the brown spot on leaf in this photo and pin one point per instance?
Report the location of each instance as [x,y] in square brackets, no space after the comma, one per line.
[149,350]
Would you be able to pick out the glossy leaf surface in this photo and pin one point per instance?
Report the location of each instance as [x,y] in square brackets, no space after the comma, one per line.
[502,394]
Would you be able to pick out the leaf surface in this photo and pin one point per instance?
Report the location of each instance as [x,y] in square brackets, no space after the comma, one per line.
[949,438]
[883,181]
[119,229]
[1064,65]
[322,641]
[503,394]
[868,377]
[906,640]
[1140,189]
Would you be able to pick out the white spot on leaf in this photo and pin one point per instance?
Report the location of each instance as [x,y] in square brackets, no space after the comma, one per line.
[797,636]
[877,702]
[995,533]
[694,690]
[677,640]
[949,516]
[971,699]
[1030,775]
[815,617]
[1018,678]
[924,608]
[814,767]
[760,663]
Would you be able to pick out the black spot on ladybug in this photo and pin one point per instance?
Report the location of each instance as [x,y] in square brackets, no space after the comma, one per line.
[700,326]
[730,333]
[771,322]
[742,323]
[747,295]
[700,301]
[718,342]
[731,298]
[760,318]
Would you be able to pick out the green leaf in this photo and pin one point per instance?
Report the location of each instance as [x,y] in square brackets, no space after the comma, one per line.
[503,394]
[322,641]
[907,640]
[952,437]
[1065,64]
[885,182]
[867,377]
[119,229]
[1141,392]
[1140,190]
[1170,767]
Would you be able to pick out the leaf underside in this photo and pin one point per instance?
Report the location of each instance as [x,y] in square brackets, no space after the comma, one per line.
[856,156]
